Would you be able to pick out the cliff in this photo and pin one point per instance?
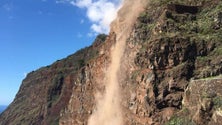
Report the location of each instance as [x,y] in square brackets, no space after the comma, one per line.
[169,74]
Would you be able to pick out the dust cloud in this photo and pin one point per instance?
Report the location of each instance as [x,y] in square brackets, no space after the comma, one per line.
[108,109]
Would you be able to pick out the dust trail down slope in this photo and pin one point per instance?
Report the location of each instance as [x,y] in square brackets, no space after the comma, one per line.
[108,108]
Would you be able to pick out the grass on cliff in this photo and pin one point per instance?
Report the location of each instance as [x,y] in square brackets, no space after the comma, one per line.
[176,120]
[217,51]
[145,26]
[217,102]
[186,2]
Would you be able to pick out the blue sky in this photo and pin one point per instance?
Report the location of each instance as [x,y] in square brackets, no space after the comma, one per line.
[35,33]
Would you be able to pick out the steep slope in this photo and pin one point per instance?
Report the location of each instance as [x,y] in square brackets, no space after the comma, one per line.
[45,92]
[174,43]
[170,72]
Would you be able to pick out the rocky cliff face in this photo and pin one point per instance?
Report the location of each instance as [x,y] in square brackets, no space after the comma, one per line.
[170,72]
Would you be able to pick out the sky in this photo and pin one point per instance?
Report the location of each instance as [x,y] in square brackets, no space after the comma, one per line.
[36,33]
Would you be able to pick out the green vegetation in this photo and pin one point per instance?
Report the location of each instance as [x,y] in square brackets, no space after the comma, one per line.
[202,59]
[186,2]
[176,120]
[145,25]
[206,22]
[101,37]
[217,102]
[199,27]
[217,51]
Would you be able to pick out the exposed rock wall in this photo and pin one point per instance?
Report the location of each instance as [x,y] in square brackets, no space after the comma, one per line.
[171,63]
[46,92]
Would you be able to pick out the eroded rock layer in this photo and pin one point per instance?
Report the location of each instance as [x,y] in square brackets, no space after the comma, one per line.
[172,66]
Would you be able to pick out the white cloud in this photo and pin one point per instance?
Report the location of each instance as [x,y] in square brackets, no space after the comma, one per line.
[100,12]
